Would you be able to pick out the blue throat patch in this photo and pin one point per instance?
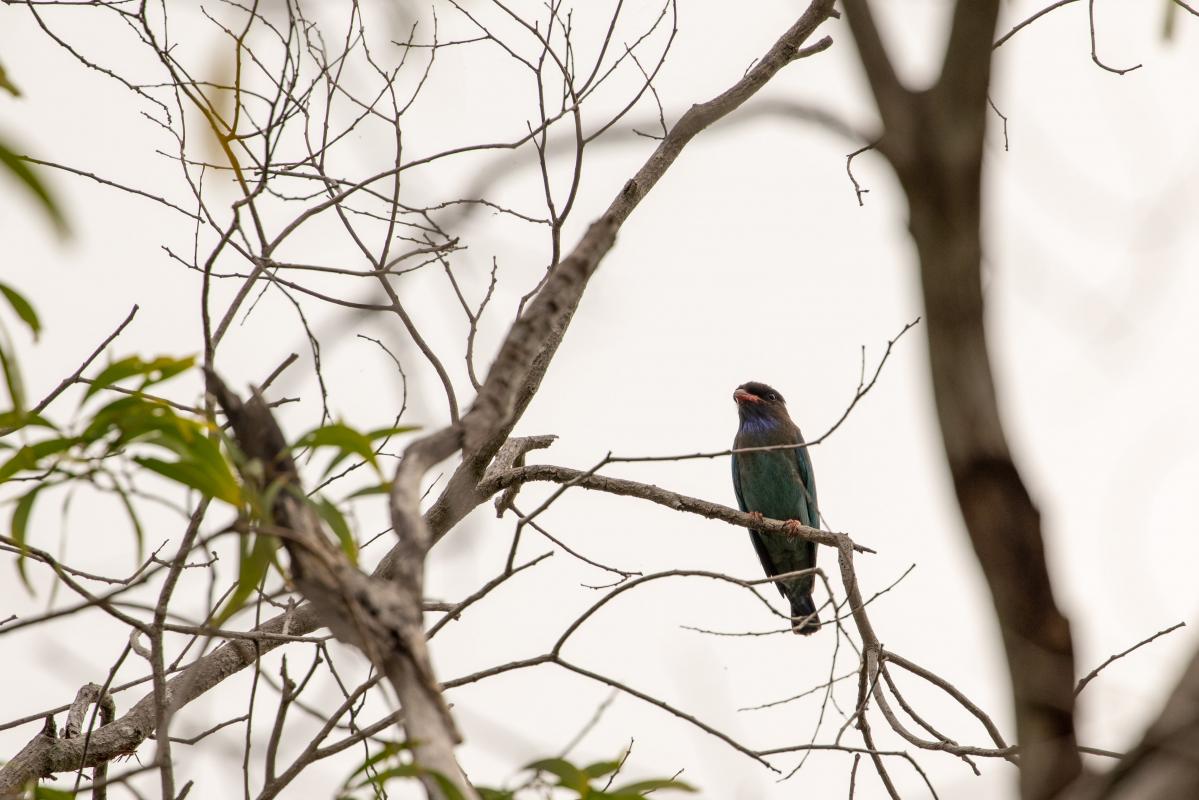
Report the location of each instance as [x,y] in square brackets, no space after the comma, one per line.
[757,423]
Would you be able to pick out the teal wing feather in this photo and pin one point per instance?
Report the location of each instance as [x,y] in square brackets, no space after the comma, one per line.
[808,482]
[737,483]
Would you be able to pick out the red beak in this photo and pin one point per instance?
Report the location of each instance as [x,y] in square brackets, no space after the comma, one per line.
[741,396]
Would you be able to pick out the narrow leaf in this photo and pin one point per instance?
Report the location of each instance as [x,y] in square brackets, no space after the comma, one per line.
[164,368]
[653,785]
[6,84]
[195,476]
[346,440]
[22,460]
[494,794]
[379,488]
[448,789]
[401,771]
[22,307]
[337,522]
[383,433]
[601,768]
[252,570]
[12,379]
[388,750]
[30,456]
[568,774]
[138,533]
[25,175]
[15,420]
[115,372]
[20,523]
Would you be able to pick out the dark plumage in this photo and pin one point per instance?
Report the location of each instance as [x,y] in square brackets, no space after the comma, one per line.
[778,484]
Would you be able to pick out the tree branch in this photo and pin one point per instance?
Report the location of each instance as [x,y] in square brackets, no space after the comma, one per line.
[663,497]
[509,386]
[527,350]
[382,618]
[1163,766]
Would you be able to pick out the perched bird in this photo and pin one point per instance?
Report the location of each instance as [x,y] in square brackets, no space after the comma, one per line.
[778,484]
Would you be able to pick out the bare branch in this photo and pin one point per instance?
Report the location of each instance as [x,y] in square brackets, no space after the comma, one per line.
[664,497]
[1093,674]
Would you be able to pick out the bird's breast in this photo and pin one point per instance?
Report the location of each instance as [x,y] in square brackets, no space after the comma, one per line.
[770,484]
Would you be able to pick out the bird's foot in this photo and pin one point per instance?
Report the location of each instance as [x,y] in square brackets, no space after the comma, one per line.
[756,516]
[793,527]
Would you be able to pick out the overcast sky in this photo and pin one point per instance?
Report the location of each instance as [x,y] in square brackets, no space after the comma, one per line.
[752,260]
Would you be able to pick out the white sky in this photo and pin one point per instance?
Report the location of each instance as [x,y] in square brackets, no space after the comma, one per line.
[751,260]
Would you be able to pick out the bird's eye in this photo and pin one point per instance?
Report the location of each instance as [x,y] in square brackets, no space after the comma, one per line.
[772,397]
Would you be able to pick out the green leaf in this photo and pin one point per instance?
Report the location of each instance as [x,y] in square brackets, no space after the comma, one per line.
[388,750]
[25,175]
[346,440]
[187,439]
[22,460]
[20,522]
[48,793]
[378,488]
[494,794]
[195,475]
[14,420]
[164,368]
[252,570]
[448,789]
[7,85]
[113,373]
[639,788]
[401,771]
[107,418]
[153,371]
[12,379]
[383,433]
[29,457]
[333,517]
[139,420]
[567,773]
[601,768]
[138,533]
[22,307]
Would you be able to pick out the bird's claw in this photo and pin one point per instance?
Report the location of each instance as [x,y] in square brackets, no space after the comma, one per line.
[793,527]
[756,516]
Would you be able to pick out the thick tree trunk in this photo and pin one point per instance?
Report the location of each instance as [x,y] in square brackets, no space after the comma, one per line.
[934,141]
[1003,523]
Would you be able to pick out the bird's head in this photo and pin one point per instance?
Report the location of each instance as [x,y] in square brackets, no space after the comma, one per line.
[757,401]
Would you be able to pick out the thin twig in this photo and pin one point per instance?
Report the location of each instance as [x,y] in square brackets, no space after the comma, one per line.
[1090,676]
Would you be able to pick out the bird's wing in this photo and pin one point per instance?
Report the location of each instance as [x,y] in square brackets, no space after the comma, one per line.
[807,479]
[737,481]
[754,536]
[767,563]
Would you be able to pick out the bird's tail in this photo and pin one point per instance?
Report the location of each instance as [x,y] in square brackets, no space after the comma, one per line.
[805,621]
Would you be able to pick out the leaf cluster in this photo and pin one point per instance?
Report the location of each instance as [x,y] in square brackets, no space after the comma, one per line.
[110,443]
[565,779]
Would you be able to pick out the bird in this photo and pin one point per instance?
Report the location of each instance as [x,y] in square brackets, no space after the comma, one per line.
[778,484]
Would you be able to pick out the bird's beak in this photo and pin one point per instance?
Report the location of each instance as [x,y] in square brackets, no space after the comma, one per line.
[741,396]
